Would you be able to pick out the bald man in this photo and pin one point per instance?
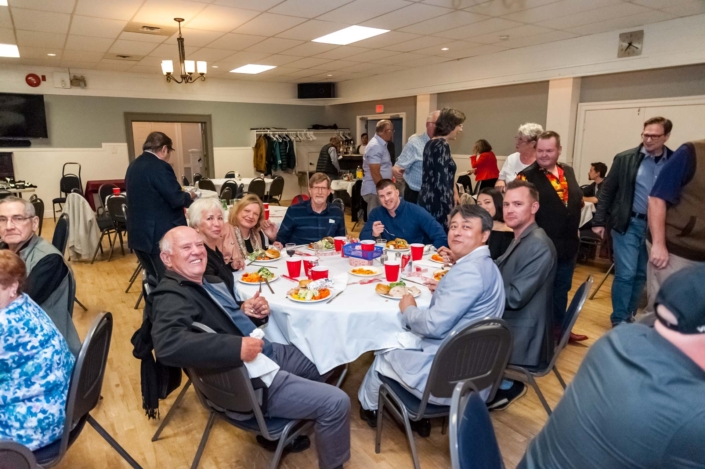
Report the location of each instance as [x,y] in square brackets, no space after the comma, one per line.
[184,296]
[410,163]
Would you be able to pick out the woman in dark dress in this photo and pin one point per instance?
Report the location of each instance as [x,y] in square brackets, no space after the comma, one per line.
[438,194]
[501,235]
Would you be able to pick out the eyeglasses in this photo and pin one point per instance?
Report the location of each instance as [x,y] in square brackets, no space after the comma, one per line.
[319,189]
[15,219]
[651,137]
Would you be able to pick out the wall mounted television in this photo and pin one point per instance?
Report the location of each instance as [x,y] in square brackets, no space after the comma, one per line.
[22,116]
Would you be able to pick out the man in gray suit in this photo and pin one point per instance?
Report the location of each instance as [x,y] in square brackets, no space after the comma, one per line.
[528,269]
[471,291]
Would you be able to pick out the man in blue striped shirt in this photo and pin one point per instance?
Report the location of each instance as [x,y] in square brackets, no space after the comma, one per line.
[314,219]
[410,162]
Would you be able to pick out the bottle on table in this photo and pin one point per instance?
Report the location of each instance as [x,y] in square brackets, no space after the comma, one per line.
[358,173]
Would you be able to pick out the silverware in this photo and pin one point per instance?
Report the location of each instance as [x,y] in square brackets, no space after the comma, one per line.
[260,285]
[413,281]
[335,296]
[270,287]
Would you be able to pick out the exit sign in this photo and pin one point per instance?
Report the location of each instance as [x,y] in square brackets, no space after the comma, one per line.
[379,108]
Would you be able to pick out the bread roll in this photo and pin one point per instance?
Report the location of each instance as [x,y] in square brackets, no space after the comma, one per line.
[272,253]
[304,283]
[382,289]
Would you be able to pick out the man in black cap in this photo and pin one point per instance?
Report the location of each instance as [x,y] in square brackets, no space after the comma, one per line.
[638,399]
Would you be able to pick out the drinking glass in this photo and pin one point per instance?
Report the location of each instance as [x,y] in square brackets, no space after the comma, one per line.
[290,249]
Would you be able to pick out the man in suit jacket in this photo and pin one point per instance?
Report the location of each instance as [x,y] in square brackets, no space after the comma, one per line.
[558,215]
[155,201]
[528,269]
[470,291]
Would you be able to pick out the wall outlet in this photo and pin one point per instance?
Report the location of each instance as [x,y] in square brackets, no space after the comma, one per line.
[62,80]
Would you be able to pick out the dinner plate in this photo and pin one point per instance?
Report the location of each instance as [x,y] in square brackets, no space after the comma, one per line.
[324,250]
[398,250]
[396,297]
[239,279]
[377,272]
[312,301]
[266,260]
[438,271]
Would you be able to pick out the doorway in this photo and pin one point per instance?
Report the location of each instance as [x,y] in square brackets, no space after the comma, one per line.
[368,124]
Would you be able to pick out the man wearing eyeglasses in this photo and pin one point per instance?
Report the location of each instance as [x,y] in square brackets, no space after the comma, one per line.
[49,280]
[622,205]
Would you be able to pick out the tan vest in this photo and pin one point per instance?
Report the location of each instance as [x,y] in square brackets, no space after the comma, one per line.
[685,221]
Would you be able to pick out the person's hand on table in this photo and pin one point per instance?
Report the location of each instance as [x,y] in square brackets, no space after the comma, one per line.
[238,264]
[278,245]
[599,230]
[250,348]
[659,256]
[406,301]
[398,172]
[270,229]
[377,229]
[431,284]
[256,307]
[447,255]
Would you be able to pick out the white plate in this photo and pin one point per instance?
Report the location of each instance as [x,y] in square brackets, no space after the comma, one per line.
[312,301]
[265,261]
[239,279]
[442,270]
[395,297]
[398,250]
[377,272]
[323,250]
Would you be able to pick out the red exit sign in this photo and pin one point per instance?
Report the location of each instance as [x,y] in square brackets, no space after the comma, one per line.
[379,108]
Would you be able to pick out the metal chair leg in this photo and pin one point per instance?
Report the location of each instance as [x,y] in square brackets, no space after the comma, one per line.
[592,297]
[279,452]
[380,419]
[204,440]
[135,274]
[535,386]
[80,304]
[342,376]
[106,436]
[410,437]
[139,300]
[99,246]
[444,425]
[170,414]
[112,242]
[122,247]
[560,378]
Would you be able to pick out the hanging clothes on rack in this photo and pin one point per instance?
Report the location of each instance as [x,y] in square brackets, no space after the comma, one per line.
[260,154]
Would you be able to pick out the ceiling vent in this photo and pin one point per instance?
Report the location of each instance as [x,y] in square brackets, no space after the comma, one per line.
[152,30]
[124,57]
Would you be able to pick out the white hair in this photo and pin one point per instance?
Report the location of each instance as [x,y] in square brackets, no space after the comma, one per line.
[195,211]
[165,243]
[433,117]
[530,130]
[28,207]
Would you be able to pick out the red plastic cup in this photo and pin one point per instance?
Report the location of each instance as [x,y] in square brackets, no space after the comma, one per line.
[309,263]
[340,242]
[266,211]
[367,245]
[116,191]
[416,251]
[391,270]
[293,265]
[405,258]
[319,272]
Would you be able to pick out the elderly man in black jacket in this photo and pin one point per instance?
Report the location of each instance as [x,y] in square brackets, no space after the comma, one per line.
[184,296]
[155,201]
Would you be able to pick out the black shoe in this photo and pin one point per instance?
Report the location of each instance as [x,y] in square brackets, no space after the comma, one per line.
[300,443]
[369,416]
[422,427]
[504,398]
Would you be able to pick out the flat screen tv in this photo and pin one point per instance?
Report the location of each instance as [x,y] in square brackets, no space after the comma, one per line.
[22,116]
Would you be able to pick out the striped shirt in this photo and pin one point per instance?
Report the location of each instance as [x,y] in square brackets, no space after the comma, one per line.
[411,160]
[301,225]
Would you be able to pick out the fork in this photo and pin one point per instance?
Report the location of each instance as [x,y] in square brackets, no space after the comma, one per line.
[260,286]
[365,282]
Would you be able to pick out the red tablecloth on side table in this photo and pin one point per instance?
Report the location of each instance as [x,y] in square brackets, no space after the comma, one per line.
[93,186]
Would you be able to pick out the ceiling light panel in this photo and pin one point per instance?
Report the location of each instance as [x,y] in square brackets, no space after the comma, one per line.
[312,29]
[252,69]
[9,50]
[350,35]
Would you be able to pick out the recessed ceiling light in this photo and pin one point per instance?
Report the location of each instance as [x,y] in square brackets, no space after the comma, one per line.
[329,75]
[51,55]
[214,66]
[3,3]
[350,35]
[253,69]
[9,50]
[445,48]
[504,37]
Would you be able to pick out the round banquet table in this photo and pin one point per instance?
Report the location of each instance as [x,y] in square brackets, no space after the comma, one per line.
[586,213]
[334,334]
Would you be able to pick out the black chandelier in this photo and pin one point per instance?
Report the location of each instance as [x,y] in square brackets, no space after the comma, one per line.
[187,67]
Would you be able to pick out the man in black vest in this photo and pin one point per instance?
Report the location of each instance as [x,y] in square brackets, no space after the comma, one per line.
[328,159]
[558,215]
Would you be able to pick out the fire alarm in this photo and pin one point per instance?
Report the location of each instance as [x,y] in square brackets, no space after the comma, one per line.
[33,80]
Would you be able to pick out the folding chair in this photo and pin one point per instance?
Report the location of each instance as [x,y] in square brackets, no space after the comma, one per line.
[15,456]
[68,183]
[206,184]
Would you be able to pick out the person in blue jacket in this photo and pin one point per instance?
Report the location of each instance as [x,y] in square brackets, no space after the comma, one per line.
[396,218]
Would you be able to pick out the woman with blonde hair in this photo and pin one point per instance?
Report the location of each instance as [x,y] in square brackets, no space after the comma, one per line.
[250,231]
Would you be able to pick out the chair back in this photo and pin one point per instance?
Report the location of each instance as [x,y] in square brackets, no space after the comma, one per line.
[299,199]
[15,456]
[117,206]
[104,191]
[226,194]
[61,233]
[184,181]
[276,189]
[229,174]
[4,193]
[38,211]
[258,187]
[196,177]
[206,184]
[571,316]
[479,352]
[148,265]
[473,444]
[70,183]
[229,184]
[339,203]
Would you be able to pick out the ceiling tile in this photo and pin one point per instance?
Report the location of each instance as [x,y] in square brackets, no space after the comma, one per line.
[111,9]
[597,15]
[661,4]
[338,64]
[58,6]
[445,22]
[132,48]
[372,55]
[140,37]
[40,53]
[164,11]
[310,48]
[514,33]
[416,44]
[5,19]
[342,52]
[38,39]
[146,70]
[414,13]
[311,29]
[197,37]
[558,10]
[259,5]
[150,61]
[387,39]
[82,56]
[478,29]
[303,73]
[365,68]
[428,60]
[693,7]
[114,65]
[363,10]
[278,60]
[401,58]
[77,64]
[274,45]
[219,18]
[455,4]
[168,51]
[235,41]
[268,24]
[33,62]
[310,62]
[245,57]
[91,44]
[7,36]
[505,8]
[307,8]
[553,36]
[652,16]
[97,27]
[279,71]
[210,55]
[33,20]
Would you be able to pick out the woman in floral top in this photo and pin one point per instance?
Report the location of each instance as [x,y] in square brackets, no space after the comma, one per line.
[35,364]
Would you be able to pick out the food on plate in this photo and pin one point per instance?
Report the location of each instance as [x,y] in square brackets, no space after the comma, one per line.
[304,283]
[363,271]
[260,276]
[397,244]
[437,257]
[438,275]
[382,289]
[257,255]
[326,243]
[272,253]
[304,294]
[396,289]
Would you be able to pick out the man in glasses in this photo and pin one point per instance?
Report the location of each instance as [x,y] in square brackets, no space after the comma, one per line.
[49,280]
[623,205]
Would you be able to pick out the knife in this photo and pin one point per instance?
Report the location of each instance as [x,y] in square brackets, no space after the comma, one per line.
[412,281]
[268,285]
[290,278]
[335,296]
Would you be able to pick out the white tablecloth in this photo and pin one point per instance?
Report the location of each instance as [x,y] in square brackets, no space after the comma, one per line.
[341,185]
[246,181]
[330,335]
[586,213]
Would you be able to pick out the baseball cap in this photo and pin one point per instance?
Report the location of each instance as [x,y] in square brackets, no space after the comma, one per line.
[684,296]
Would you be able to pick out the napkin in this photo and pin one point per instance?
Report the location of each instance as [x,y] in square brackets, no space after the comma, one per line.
[340,281]
[409,340]
[262,366]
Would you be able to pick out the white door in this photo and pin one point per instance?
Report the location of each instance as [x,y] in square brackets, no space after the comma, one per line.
[688,122]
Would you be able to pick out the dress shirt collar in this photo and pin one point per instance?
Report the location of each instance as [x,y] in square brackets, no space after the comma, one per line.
[150,151]
[380,140]
[480,251]
[644,152]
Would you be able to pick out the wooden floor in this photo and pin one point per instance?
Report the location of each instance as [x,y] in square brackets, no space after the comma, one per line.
[101,287]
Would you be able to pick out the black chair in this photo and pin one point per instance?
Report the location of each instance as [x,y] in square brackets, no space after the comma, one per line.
[473,443]
[229,174]
[196,177]
[106,227]
[68,183]
[117,206]
[478,352]
[527,374]
[4,193]
[276,190]
[61,233]
[38,211]
[206,184]
[231,390]
[184,181]
[84,394]
[226,195]
[15,456]
[229,184]
[339,203]
[258,187]
[104,191]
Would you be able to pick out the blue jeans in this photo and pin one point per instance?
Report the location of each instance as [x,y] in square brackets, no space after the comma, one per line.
[630,259]
[561,287]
